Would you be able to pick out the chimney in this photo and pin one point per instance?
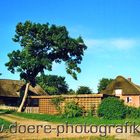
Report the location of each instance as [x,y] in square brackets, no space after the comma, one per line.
[129,79]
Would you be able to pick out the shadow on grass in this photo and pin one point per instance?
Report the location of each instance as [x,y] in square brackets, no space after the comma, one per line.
[2,112]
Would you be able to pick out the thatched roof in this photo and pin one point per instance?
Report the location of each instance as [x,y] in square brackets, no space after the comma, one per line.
[128,87]
[11,88]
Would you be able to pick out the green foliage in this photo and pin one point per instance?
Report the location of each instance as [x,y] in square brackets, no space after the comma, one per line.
[6,111]
[43,44]
[53,84]
[75,120]
[112,108]
[84,90]
[71,91]
[91,111]
[5,123]
[72,110]
[57,102]
[132,112]
[104,82]
[51,90]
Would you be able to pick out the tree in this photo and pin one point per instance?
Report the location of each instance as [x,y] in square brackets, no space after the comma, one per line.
[104,82]
[53,84]
[84,90]
[41,45]
[71,91]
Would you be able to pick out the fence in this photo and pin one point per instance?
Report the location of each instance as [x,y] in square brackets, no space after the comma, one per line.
[86,101]
[8,107]
[27,109]
[32,110]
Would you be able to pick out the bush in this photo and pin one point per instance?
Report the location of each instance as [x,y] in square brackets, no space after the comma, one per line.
[112,108]
[57,102]
[72,109]
[132,112]
[91,111]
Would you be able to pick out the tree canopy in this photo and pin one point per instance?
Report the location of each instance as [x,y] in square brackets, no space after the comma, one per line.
[71,91]
[43,44]
[84,90]
[53,84]
[104,82]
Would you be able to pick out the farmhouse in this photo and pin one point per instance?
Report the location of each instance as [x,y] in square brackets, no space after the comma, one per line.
[11,92]
[124,89]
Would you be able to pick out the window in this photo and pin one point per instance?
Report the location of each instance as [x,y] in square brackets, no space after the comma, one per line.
[33,102]
[128,99]
[118,92]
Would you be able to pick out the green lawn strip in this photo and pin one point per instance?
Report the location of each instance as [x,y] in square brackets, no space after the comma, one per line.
[4,123]
[89,138]
[76,120]
[6,111]
[3,111]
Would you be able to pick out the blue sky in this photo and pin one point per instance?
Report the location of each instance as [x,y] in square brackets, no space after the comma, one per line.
[110,29]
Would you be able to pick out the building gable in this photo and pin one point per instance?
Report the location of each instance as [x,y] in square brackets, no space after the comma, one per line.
[127,87]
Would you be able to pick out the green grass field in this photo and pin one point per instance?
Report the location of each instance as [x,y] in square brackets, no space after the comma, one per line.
[2,121]
[87,138]
[59,119]
[76,120]
[5,123]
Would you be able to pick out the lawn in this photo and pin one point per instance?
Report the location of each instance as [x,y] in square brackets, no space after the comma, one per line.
[76,120]
[4,123]
[87,138]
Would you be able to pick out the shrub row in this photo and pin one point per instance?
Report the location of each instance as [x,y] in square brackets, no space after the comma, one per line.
[110,108]
[132,112]
[71,109]
[114,108]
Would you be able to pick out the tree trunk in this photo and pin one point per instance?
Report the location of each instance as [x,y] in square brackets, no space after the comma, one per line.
[24,98]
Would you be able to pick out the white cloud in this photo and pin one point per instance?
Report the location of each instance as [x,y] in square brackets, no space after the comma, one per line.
[123,43]
[112,43]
